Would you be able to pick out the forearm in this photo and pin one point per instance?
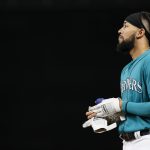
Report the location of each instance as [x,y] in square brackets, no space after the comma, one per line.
[140,109]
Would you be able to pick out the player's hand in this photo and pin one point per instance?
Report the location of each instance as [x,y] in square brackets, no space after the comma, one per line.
[105,108]
[90,114]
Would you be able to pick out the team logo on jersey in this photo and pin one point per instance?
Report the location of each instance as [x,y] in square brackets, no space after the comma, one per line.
[131,84]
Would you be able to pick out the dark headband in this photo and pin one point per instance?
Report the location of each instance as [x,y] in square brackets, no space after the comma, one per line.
[136,20]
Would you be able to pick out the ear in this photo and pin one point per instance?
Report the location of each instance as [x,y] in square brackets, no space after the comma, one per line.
[140,33]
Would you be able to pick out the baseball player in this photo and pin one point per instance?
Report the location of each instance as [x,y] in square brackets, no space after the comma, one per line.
[134,38]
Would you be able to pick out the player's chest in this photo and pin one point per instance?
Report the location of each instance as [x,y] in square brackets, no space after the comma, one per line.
[132,79]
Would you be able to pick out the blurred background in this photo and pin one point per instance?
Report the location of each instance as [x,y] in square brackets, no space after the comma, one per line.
[57,57]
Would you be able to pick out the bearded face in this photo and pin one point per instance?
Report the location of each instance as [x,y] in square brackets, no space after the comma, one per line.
[124,46]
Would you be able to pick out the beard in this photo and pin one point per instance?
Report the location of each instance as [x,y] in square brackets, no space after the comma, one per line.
[125,46]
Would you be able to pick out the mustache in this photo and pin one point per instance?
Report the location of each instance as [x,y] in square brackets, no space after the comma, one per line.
[120,37]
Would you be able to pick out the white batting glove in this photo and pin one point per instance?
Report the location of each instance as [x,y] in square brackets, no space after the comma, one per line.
[87,123]
[99,125]
[107,107]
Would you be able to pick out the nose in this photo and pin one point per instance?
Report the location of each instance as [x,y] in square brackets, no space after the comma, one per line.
[120,30]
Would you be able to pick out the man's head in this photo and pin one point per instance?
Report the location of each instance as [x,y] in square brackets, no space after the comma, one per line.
[135,27]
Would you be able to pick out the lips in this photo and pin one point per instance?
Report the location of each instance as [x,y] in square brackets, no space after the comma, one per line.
[120,38]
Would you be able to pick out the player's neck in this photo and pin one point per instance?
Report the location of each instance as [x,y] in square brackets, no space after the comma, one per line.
[138,50]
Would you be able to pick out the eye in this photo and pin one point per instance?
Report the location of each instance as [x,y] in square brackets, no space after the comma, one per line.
[125,25]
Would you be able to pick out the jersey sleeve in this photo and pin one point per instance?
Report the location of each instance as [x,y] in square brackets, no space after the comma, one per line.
[140,109]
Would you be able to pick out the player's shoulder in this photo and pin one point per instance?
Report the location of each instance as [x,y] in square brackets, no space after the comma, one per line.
[146,62]
[147,58]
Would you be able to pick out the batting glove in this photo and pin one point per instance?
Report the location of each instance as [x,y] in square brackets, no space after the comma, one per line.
[106,108]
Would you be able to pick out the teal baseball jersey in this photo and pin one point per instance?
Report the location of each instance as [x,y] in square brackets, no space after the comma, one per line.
[135,94]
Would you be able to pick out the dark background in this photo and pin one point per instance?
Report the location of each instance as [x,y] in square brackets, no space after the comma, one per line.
[57,57]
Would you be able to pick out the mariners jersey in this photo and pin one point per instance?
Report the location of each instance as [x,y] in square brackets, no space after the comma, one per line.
[135,94]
